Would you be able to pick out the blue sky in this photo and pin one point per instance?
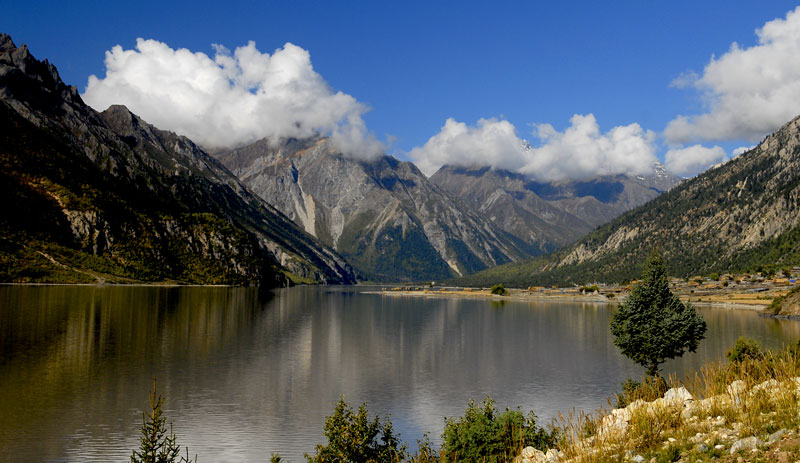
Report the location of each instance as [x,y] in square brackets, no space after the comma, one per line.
[416,65]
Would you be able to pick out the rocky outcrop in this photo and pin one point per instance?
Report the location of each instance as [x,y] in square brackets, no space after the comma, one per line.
[693,427]
[382,214]
[741,421]
[111,194]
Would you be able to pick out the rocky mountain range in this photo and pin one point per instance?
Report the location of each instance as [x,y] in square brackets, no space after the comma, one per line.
[107,196]
[91,196]
[393,223]
[383,215]
[550,215]
[741,215]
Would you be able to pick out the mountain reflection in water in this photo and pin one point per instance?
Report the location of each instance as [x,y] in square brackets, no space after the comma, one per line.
[247,374]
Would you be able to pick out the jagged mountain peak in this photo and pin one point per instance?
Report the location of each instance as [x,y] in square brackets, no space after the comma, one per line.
[382,213]
[122,118]
[547,214]
[18,68]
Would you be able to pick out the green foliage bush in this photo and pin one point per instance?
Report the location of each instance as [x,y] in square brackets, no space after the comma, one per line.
[483,434]
[745,348]
[589,289]
[353,437]
[499,290]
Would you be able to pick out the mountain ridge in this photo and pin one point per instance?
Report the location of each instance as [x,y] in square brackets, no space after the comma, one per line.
[126,201]
[550,215]
[382,214]
[736,216]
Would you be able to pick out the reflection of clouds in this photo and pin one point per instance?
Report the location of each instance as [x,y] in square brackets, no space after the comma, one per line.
[245,376]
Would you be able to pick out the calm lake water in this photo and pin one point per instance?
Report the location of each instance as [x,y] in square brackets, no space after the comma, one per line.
[246,375]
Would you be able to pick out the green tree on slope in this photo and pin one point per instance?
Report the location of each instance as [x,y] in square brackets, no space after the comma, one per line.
[653,325]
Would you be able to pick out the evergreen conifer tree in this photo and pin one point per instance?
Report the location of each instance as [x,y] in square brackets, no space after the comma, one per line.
[653,325]
[157,446]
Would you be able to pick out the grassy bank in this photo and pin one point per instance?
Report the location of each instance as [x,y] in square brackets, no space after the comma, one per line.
[744,410]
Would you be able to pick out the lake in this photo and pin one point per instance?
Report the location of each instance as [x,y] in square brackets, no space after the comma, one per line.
[247,374]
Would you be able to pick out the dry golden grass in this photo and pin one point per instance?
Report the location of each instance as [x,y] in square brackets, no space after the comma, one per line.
[755,397]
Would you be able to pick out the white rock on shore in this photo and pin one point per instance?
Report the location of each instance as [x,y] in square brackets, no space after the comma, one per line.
[532,455]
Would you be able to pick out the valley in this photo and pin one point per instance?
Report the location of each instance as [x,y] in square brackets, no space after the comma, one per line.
[521,232]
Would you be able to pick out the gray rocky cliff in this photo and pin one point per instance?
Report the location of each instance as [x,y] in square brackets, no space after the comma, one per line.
[549,215]
[382,214]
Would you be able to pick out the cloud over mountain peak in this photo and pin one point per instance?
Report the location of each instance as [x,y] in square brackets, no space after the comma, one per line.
[580,151]
[233,98]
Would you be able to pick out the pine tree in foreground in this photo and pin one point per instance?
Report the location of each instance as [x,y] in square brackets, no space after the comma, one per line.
[157,445]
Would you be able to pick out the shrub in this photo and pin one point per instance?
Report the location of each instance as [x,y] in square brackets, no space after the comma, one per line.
[589,289]
[485,435]
[745,348]
[499,290]
[352,436]
[770,273]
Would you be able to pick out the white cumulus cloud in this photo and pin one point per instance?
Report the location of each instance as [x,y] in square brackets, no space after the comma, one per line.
[491,142]
[749,92]
[580,151]
[232,98]
[690,161]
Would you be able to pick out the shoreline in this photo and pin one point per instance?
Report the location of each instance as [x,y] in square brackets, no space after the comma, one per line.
[101,285]
[495,297]
[750,305]
[754,305]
